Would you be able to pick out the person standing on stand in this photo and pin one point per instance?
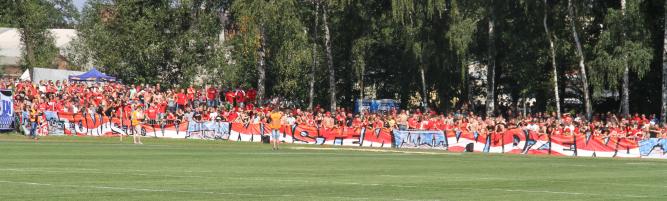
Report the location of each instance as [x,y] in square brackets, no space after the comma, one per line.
[34,122]
[137,118]
[276,117]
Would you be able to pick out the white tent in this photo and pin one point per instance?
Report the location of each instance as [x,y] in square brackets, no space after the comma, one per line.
[25,76]
[48,74]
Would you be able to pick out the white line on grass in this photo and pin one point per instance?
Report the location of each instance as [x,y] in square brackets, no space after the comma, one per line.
[552,192]
[350,183]
[642,163]
[610,183]
[192,192]
[211,177]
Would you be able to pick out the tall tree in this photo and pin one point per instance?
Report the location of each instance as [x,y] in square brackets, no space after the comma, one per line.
[582,64]
[663,116]
[33,21]
[491,64]
[416,19]
[329,53]
[552,55]
[311,83]
[272,42]
[622,48]
[151,41]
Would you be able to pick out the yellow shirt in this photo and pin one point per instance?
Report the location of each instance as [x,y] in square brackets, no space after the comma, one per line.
[275,120]
[135,118]
[33,116]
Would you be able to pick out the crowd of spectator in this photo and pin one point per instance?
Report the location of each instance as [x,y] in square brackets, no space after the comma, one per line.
[212,103]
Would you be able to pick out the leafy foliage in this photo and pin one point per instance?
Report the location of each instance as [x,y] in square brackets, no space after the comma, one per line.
[382,45]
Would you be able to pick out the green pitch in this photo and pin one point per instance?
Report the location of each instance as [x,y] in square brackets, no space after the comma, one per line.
[102,168]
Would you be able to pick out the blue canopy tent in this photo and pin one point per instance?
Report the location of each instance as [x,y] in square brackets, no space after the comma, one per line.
[93,76]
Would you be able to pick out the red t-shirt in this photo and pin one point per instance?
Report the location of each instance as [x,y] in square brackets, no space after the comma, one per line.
[412,123]
[118,112]
[191,94]
[151,113]
[98,99]
[52,105]
[51,89]
[232,116]
[205,116]
[162,107]
[171,117]
[249,107]
[211,93]
[356,123]
[431,125]
[341,120]
[251,94]
[128,111]
[240,96]
[180,99]
[378,124]
[60,107]
[229,96]
[43,106]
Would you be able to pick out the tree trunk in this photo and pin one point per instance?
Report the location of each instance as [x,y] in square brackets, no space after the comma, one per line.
[625,99]
[332,71]
[663,116]
[29,45]
[552,51]
[470,84]
[625,95]
[361,94]
[261,67]
[311,91]
[582,65]
[491,67]
[425,94]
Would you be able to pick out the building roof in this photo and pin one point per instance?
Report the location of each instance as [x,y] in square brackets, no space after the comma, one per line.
[10,43]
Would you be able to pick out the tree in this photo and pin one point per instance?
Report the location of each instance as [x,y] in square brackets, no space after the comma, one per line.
[330,65]
[151,42]
[415,18]
[582,66]
[663,116]
[552,55]
[623,47]
[491,65]
[32,19]
[311,83]
[273,42]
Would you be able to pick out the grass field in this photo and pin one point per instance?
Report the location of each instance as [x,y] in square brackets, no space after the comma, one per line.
[90,168]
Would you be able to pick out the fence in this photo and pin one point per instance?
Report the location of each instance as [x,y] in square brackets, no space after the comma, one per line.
[515,141]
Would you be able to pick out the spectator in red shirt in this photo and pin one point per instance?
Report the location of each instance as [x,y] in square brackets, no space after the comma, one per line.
[240,96]
[171,118]
[211,94]
[151,113]
[249,107]
[229,97]
[181,100]
[251,94]
[190,95]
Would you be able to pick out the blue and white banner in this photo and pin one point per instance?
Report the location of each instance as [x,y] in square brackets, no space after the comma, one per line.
[209,129]
[426,139]
[653,147]
[6,110]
